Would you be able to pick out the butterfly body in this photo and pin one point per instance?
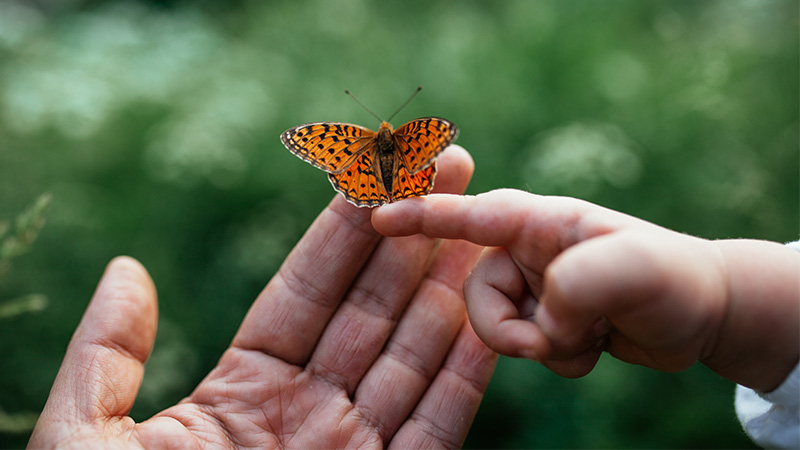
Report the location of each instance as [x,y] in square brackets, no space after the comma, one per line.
[387,162]
[371,168]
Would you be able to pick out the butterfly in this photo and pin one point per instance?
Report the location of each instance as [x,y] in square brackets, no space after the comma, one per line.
[371,168]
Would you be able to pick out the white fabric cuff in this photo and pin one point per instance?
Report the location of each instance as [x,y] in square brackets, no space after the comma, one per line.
[772,420]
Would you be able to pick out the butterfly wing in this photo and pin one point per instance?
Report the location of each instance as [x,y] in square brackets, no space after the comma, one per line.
[348,153]
[420,141]
[360,182]
[407,185]
[330,146]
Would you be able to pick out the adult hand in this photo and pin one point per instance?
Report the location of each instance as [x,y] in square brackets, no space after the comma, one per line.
[566,279]
[358,341]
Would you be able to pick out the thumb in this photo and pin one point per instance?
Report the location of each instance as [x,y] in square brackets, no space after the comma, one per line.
[600,277]
[104,364]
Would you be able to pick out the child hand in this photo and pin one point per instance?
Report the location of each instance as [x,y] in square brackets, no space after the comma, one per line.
[564,280]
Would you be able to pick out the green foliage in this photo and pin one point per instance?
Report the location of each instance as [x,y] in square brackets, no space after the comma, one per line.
[21,305]
[13,245]
[156,127]
[26,228]
[17,423]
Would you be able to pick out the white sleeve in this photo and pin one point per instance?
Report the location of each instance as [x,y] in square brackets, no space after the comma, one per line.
[772,420]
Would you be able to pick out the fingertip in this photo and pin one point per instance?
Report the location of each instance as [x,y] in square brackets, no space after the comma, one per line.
[515,338]
[459,158]
[126,261]
[397,219]
[128,274]
[455,168]
[519,338]
[130,269]
[124,308]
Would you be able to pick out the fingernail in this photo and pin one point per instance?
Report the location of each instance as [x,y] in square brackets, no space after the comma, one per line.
[602,327]
[600,343]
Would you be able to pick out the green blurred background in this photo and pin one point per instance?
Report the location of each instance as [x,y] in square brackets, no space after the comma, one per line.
[155,125]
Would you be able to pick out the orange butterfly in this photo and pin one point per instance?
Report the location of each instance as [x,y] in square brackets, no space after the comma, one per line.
[372,168]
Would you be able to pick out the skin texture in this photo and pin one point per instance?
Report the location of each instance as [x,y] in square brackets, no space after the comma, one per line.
[563,280]
[328,356]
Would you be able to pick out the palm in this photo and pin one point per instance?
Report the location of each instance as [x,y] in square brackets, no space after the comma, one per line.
[328,356]
[291,409]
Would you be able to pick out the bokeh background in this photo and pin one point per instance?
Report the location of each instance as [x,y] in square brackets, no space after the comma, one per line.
[152,130]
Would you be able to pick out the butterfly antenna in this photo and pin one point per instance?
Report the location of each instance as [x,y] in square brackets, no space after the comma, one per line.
[419,88]
[362,105]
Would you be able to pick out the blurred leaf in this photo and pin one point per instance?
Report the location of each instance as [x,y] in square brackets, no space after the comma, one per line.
[26,228]
[27,304]
[17,422]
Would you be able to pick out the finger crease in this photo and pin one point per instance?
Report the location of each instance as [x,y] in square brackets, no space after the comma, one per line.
[373,303]
[303,288]
[112,345]
[406,356]
[474,384]
[438,433]
[321,372]
[358,223]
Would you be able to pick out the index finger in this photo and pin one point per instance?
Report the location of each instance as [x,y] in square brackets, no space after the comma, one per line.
[542,226]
